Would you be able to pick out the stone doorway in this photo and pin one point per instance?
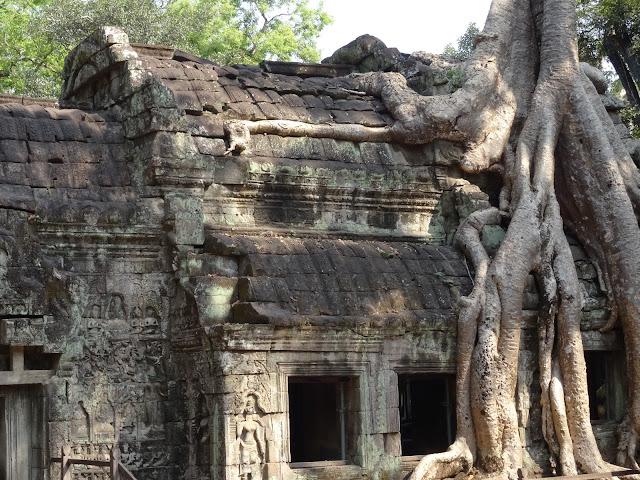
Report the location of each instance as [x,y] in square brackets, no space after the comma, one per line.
[21,433]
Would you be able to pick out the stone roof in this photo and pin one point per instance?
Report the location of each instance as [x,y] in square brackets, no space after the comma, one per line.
[176,109]
[138,156]
[313,93]
[290,281]
[43,148]
[250,93]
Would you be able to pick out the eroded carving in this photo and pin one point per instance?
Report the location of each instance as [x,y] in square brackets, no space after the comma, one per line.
[80,423]
[103,427]
[250,440]
[5,290]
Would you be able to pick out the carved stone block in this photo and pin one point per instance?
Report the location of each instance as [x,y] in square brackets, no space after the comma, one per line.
[23,331]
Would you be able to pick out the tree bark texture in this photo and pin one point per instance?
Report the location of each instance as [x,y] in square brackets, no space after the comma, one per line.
[527,111]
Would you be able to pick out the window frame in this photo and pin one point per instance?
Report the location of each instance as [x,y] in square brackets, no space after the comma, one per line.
[434,367]
[449,394]
[356,372]
[614,367]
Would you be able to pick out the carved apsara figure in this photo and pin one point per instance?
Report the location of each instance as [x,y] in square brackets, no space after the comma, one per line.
[250,441]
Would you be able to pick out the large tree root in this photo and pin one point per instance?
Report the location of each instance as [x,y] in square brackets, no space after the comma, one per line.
[627,445]
[460,456]
[527,111]
[238,132]
[448,464]
[545,140]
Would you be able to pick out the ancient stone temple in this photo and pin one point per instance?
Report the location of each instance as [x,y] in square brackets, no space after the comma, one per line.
[196,265]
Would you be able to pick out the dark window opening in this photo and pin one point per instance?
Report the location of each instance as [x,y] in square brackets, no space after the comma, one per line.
[427,413]
[605,385]
[321,418]
[5,358]
[36,359]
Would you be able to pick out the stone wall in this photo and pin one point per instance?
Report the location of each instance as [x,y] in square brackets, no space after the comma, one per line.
[165,283]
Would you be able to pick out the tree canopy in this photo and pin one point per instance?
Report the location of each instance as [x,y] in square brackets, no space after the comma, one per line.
[38,34]
[28,62]
[464,45]
[250,31]
[611,28]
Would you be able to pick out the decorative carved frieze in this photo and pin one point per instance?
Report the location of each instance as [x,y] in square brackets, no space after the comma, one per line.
[24,331]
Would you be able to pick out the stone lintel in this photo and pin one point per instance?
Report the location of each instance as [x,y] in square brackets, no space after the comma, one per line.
[595,340]
[28,377]
[23,332]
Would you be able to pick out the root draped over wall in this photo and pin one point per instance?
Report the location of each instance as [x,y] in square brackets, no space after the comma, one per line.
[528,111]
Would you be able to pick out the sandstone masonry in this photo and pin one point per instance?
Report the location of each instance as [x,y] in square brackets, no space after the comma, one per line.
[229,301]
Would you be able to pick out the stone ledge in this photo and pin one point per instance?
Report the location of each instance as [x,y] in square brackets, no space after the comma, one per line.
[307,69]
[22,100]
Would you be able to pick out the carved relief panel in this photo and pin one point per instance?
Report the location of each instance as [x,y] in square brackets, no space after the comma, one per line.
[250,439]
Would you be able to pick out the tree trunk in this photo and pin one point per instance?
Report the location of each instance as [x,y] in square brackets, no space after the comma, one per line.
[629,55]
[622,70]
[622,58]
[527,111]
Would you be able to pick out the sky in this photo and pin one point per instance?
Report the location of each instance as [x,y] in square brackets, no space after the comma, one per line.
[408,25]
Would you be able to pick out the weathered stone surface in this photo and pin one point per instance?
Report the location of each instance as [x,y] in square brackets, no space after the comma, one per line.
[163,281]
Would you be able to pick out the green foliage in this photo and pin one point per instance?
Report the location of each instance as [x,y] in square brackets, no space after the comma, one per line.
[603,14]
[68,22]
[443,278]
[630,115]
[251,31]
[465,44]
[612,28]
[590,48]
[599,17]
[29,64]
[455,78]
[38,34]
